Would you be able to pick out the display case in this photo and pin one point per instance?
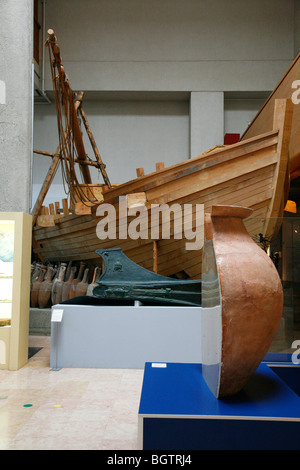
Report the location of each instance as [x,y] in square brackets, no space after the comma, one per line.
[15,262]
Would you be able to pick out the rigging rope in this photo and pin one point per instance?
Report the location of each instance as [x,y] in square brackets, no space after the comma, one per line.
[65,107]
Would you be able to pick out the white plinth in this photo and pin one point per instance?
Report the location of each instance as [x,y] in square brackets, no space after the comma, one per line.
[124,336]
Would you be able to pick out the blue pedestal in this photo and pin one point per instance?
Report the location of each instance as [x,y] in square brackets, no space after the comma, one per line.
[179,412]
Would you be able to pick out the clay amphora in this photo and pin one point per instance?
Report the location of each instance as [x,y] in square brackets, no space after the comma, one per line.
[67,285]
[76,281]
[32,269]
[36,287]
[44,296]
[82,286]
[35,273]
[68,271]
[58,284]
[242,301]
[93,284]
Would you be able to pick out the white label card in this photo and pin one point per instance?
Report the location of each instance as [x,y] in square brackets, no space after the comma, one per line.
[159,364]
[57,315]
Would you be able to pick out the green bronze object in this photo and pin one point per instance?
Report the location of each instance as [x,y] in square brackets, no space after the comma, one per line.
[122,279]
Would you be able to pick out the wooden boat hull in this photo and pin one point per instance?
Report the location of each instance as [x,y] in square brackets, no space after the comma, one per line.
[263,121]
[252,173]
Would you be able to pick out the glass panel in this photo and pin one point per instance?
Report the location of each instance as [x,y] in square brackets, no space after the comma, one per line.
[6,269]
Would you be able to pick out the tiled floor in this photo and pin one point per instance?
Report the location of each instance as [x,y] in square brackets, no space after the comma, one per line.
[71,408]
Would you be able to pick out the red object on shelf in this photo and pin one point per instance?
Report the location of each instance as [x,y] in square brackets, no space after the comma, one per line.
[231,139]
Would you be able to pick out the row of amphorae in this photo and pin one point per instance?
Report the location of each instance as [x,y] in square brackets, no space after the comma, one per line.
[53,284]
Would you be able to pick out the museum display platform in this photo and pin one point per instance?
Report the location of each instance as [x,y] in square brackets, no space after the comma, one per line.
[124,337]
[179,412]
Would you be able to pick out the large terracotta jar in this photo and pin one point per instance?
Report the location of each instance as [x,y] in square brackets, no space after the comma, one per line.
[94,283]
[67,284]
[36,270]
[242,301]
[57,287]
[82,286]
[76,281]
[35,287]
[44,296]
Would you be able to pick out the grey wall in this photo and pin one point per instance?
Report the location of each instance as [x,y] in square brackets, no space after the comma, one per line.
[165,80]
[192,45]
[16,46]
[238,113]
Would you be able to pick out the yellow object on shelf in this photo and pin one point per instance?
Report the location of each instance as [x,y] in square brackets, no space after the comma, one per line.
[291,206]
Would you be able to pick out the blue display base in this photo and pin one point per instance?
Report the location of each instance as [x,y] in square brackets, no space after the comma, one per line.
[179,412]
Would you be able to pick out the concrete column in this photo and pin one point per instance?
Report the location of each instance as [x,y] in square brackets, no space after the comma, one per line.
[206,121]
[16,53]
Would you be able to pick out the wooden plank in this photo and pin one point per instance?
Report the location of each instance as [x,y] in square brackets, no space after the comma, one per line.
[136,200]
[159,166]
[81,208]
[94,147]
[57,207]
[47,220]
[65,206]
[140,172]
[283,116]
[51,208]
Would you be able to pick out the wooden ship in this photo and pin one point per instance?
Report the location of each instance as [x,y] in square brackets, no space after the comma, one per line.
[263,121]
[252,173]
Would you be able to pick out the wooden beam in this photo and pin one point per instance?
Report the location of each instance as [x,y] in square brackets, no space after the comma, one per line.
[94,147]
[57,208]
[47,220]
[65,206]
[78,139]
[83,208]
[49,177]
[136,200]
[68,100]
[283,115]
[140,172]
[76,160]
[159,166]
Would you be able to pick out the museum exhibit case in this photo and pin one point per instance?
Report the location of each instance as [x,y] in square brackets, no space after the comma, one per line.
[15,261]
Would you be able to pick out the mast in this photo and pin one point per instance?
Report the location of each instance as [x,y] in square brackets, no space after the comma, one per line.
[71,147]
